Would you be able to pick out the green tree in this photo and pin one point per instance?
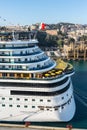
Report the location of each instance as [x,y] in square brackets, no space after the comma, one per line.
[83,38]
[60,43]
[71,40]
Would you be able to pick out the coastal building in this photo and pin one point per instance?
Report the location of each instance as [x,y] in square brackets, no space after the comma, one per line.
[52,32]
[75,51]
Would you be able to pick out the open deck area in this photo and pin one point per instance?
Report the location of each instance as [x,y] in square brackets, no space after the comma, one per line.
[60,70]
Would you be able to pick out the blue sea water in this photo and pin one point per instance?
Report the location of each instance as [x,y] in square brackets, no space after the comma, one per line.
[79,80]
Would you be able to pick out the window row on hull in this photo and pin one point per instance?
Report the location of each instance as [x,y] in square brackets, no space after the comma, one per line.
[22,61]
[20,46]
[45,65]
[22,50]
[27,54]
[36,93]
[21,106]
[56,107]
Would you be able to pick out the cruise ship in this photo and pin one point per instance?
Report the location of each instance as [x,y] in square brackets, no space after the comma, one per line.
[33,87]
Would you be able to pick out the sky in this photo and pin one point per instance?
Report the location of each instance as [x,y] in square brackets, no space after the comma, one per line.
[28,12]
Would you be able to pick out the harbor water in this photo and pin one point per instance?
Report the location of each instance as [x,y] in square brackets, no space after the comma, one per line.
[79,80]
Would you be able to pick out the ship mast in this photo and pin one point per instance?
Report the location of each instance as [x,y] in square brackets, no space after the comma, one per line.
[13,36]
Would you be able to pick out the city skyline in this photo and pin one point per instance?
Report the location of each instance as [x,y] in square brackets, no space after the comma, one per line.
[26,12]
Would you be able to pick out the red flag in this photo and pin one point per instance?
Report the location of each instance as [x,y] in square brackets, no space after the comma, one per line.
[42,26]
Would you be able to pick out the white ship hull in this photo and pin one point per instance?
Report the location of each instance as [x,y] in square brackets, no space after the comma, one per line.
[38,116]
[15,108]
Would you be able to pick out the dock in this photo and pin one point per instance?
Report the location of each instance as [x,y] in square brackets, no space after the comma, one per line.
[75,51]
[32,127]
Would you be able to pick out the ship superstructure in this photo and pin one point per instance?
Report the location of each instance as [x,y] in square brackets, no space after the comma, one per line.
[33,87]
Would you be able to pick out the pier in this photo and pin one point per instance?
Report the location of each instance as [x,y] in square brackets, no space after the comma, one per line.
[32,127]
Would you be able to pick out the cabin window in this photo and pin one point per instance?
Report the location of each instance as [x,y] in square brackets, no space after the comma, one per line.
[3,98]
[25,106]
[11,105]
[41,100]
[25,99]
[4,74]
[41,108]
[18,99]
[33,99]
[18,105]
[21,52]
[56,109]
[26,59]
[3,105]
[33,106]
[62,98]
[19,60]
[48,100]
[10,98]
[12,74]
[38,66]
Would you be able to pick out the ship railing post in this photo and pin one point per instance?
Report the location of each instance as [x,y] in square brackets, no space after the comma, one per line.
[69,127]
[27,124]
